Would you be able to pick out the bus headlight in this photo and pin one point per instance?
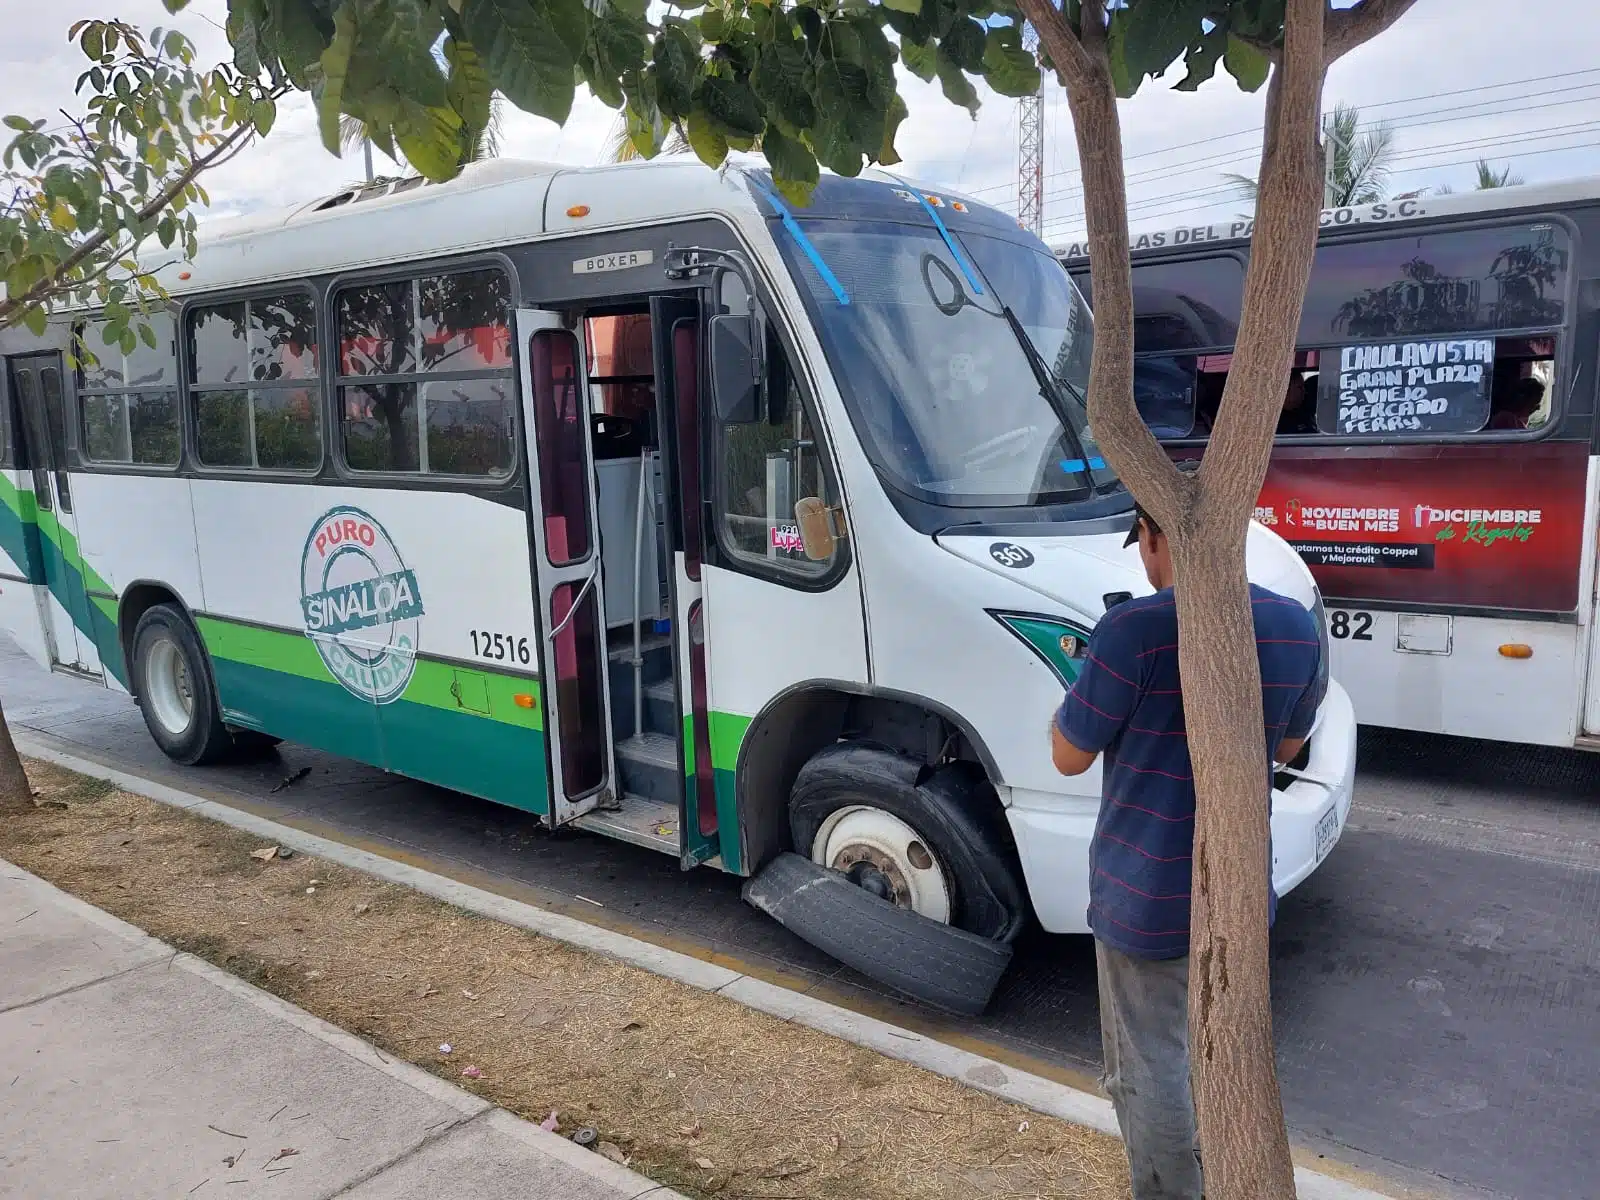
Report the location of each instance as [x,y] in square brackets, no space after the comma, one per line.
[1063,645]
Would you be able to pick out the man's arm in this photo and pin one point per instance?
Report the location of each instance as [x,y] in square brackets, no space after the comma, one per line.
[1304,716]
[1068,758]
[1098,707]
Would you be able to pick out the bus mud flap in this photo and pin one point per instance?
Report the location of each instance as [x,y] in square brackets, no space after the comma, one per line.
[939,965]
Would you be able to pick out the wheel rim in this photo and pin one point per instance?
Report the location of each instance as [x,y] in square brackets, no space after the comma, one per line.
[879,852]
[167,684]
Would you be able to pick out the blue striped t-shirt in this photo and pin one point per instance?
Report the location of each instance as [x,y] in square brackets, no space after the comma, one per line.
[1127,705]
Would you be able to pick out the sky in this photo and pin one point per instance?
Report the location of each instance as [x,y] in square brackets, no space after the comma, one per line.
[1455,79]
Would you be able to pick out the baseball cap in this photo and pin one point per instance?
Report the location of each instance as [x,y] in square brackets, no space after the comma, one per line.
[1133,530]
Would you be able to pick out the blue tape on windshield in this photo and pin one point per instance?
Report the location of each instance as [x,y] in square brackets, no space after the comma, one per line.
[1097,464]
[950,242]
[1074,465]
[806,248]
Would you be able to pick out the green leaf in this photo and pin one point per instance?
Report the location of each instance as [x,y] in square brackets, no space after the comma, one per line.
[905,6]
[784,79]
[704,139]
[794,167]
[244,33]
[430,138]
[1009,69]
[964,44]
[674,64]
[128,342]
[471,93]
[93,40]
[524,52]
[20,124]
[174,6]
[921,59]
[731,107]
[1248,66]
[898,112]
[1202,60]
[957,87]
[298,32]
[147,335]
[263,113]
[335,67]
[36,320]
[1151,34]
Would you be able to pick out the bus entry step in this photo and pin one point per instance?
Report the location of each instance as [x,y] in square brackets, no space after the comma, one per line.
[939,965]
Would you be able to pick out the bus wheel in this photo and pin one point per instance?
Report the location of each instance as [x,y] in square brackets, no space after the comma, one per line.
[173,682]
[928,841]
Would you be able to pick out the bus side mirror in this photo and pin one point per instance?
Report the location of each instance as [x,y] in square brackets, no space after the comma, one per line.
[735,368]
[817,533]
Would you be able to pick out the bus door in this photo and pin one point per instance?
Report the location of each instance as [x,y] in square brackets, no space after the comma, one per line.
[567,582]
[36,381]
[676,325]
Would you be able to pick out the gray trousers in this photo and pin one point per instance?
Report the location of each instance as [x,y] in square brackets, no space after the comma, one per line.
[1144,1034]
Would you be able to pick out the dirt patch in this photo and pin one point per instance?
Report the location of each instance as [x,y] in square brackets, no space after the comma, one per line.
[698,1092]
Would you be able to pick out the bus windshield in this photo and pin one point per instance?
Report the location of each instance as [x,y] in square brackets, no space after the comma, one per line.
[965,375]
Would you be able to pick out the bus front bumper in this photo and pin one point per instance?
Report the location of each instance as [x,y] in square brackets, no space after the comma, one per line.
[1053,832]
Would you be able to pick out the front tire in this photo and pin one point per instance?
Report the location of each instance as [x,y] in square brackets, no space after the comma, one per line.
[932,841]
[173,678]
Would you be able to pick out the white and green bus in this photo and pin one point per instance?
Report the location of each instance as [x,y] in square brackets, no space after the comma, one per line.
[635,498]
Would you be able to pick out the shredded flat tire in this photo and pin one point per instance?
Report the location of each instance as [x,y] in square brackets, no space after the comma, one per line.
[939,965]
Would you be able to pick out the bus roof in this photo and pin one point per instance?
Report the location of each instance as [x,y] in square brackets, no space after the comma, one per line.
[491,204]
[1537,196]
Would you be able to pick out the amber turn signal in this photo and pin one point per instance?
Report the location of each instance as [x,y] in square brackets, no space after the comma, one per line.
[1516,650]
[523,700]
[578,210]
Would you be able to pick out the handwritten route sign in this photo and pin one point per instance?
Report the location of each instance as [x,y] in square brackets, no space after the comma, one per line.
[1419,387]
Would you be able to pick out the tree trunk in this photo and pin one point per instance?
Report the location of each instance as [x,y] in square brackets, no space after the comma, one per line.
[16,793]
[1233,1063]
[1206,518]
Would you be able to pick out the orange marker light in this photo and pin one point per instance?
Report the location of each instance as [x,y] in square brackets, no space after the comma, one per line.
[1516,650]
[523,700]
[578,210]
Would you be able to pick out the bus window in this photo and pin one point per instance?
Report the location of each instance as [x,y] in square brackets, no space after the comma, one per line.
[767,466]
[254,385]
[1164,390]
[1189,305]
[129,402]
[622,374]
[442,342]
[1438,284]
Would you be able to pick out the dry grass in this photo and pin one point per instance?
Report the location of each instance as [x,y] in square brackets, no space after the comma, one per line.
[674,1076]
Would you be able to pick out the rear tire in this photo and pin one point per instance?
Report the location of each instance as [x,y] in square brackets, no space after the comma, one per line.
[172,677]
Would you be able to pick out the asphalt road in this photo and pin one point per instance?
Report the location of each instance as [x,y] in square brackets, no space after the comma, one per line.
[1436,983]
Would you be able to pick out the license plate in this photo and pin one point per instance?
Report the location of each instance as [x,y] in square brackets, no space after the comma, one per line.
[1327,832]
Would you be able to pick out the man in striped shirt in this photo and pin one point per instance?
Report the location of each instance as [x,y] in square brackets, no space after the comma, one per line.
[1127,705]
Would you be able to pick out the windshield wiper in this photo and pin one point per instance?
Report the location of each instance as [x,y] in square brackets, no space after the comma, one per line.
[1051,392]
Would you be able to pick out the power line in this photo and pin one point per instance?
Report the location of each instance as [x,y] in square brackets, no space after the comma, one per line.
[1178,206]
[1401,121]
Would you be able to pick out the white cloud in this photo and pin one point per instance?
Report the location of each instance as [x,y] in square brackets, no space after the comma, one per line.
[1177,144]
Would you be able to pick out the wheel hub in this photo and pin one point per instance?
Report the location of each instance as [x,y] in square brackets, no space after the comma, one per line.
[881,854]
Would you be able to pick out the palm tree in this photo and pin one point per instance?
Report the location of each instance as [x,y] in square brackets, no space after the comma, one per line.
[619,147]
[485,144]
[1361,161]
[1488,179]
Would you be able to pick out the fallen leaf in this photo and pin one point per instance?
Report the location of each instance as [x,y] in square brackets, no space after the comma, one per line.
[631,1026]
[265,854]
[614,1153]
[469,995]
[705,1164]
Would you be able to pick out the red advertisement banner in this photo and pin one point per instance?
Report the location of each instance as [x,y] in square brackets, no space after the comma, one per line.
[1496,526]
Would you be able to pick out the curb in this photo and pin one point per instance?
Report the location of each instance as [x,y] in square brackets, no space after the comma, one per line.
[986,1075]
[627,1184]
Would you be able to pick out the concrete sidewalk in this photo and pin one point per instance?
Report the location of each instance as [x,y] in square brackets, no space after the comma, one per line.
[128,1069]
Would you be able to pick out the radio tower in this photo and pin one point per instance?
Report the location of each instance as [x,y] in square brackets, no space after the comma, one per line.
[1030,150]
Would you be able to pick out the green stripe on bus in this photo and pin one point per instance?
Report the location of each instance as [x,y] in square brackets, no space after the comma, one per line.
[458,750]
[19,530]
[489,695]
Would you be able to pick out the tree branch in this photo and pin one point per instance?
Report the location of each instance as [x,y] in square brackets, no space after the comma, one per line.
[12,306]
[1347,28]
[1084,67]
